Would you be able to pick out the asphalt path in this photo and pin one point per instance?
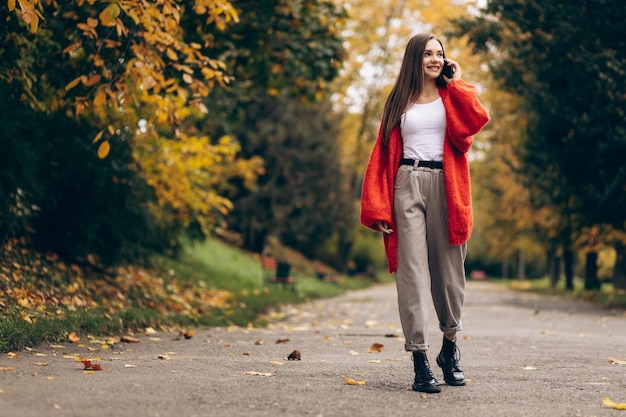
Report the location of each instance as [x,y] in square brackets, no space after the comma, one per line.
[523,355]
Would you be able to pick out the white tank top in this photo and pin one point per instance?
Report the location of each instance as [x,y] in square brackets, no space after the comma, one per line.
[423,127]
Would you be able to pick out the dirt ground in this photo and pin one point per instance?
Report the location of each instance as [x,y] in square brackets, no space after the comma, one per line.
[523,355]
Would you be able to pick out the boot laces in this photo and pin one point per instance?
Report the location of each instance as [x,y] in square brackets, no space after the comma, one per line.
[456,355]
[453,357]
[424,370]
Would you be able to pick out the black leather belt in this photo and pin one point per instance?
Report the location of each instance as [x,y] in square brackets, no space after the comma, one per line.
[423,164]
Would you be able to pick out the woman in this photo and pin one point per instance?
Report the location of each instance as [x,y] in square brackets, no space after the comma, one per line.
[416,191]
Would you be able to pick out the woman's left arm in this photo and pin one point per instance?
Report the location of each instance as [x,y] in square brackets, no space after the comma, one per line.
[465,114]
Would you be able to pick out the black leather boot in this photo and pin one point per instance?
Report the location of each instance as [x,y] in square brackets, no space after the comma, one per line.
[448,360]
[424,379]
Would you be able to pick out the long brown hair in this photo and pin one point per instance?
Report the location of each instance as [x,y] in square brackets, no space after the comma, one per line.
[408,86]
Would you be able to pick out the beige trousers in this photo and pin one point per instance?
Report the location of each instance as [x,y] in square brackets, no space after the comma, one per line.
[428,266]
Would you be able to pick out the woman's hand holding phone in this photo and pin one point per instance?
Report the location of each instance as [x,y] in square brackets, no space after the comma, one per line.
[451,71]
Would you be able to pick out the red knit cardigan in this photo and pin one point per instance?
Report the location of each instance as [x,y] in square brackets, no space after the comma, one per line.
[465,116]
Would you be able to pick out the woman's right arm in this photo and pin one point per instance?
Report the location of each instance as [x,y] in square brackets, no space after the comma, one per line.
[376,201]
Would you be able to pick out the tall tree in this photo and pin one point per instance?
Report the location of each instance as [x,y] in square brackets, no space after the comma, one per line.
[284,54]
[565,61]
[133,76]
[298,197]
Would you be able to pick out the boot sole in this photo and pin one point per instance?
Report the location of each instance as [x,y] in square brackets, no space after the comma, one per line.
[427,390]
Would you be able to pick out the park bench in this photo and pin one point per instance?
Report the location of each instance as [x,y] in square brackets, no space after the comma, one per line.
[276,272]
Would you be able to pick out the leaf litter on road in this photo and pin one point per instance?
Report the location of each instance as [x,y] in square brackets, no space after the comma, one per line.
[295,355]
[352,381]
[375,348]
[255,373]
[607,402]
[89,365]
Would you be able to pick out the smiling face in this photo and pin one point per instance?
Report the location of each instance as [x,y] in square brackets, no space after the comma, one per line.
[432,60]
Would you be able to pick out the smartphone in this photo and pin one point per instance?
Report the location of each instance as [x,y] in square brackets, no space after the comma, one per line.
[448,70]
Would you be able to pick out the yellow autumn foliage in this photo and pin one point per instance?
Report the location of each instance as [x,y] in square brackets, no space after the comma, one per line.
[156,34]
[186,174]
[159,77]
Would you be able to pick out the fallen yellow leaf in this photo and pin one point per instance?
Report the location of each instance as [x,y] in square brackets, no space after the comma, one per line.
[610,404]
[13,355]
[615,361]
[41,363]
[128,339]
[351,381]
[8,368]
[260,373]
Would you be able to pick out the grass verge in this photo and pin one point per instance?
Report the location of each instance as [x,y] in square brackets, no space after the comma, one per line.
[212,284]
[605,297]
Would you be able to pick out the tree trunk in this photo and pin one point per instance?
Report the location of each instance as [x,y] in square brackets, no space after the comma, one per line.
[521,266]
[554,267]
[254,239]
[505,268]
[591,271]
[344,246]
[619,270]
[568,265]
[551,255]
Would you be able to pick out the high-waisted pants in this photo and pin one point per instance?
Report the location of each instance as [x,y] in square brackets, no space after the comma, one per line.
[428,266]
